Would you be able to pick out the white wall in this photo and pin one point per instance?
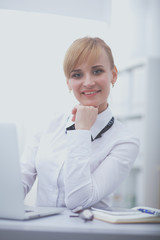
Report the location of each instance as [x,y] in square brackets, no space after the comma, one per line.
[135,31]
[32,47]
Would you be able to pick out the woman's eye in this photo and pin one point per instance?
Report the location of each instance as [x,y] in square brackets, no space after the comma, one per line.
[76,75]
[97,72]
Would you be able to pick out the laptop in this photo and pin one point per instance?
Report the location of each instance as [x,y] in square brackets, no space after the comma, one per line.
[11,188]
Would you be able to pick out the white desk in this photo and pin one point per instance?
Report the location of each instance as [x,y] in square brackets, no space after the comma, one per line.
[63,227]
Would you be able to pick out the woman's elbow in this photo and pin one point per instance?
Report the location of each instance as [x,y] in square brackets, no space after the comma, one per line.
[72,203]
[76,202]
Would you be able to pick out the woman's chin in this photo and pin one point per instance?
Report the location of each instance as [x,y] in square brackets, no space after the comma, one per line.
[91,104]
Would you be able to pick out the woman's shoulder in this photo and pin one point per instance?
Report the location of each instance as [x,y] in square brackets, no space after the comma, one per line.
[57,120]
[125,132]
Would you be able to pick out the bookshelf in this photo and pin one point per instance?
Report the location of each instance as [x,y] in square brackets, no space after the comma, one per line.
[136,102]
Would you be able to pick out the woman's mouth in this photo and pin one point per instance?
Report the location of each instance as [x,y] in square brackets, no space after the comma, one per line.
[90,93]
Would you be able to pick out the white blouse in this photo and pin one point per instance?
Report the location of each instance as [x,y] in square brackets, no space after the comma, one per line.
[74,171]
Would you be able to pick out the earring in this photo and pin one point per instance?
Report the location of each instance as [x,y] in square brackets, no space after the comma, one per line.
[70,91]
[112,85]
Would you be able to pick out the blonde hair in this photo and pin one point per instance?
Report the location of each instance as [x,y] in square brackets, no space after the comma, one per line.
[85,49]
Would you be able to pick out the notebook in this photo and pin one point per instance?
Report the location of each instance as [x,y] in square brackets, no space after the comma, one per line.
[11,189]
[124,215]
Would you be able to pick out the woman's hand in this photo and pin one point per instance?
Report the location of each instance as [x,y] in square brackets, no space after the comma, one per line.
[84,117]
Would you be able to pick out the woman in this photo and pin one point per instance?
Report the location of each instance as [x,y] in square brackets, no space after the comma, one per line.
[82,158]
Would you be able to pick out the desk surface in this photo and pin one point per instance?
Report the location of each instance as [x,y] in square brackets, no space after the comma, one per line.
[64,227]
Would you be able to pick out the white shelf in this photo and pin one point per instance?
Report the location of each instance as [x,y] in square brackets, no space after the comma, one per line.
[135,100]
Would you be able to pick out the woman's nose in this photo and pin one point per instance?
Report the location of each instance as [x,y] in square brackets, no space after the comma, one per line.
[88,81]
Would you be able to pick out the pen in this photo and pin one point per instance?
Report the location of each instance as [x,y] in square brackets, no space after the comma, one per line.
[153,212]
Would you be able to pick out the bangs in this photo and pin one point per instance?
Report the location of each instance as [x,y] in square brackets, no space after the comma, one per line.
[89,55]
[86,50]
[78,53]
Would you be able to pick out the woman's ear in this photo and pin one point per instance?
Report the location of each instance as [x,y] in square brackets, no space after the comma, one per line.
[114,75]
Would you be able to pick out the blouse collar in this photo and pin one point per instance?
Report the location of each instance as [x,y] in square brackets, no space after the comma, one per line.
[102,120]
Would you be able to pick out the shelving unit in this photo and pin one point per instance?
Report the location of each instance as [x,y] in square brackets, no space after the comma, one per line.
[136,102]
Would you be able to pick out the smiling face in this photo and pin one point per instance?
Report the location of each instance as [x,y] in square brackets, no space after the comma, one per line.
[91,80]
